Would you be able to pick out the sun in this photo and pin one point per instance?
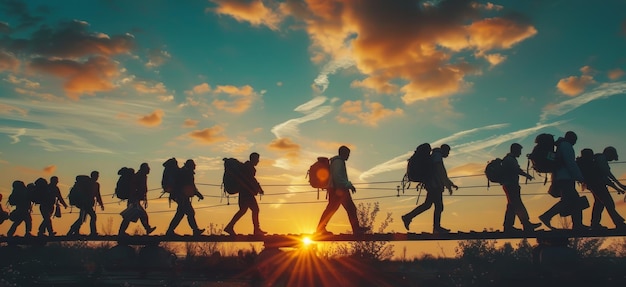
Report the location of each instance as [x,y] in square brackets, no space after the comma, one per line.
[307,241]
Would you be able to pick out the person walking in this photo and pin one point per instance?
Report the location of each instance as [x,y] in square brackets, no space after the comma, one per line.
[134,209]
[20,198]
[51,198]
[435,184]
[565,176]
[86,207]
[247,200]
[512,189]
[598,187]
[184,191]
[339,188]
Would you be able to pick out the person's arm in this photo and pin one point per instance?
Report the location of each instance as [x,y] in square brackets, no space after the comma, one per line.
[442,176]
[98,196]
[60,198]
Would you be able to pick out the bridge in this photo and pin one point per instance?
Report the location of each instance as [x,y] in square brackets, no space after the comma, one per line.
[293,240]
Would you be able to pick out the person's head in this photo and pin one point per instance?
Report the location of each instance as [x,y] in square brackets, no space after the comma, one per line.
[95,175]
[190,164]
[516,149]
[54,180]
[586,153]
[18,184]
[144,167]
[445,150]
[610,153]
[254,158]
[344,152]
[571,137]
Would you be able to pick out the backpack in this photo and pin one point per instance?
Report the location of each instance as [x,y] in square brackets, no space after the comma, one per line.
[319,173]
[234,178]
[17,194]
[124,185]
[494,171]
[170,175]
[81,191]
[587,165]
[39,192]
[419,165]
[543,155]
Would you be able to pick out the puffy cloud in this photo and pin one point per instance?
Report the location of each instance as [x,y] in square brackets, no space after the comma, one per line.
[209,135]
[254,12]
[153,119]
[94,75]
[199,89]
[615,74]
[238,99]
[367,113]
[189,123]
[284,144]
[573,86]
[8,62]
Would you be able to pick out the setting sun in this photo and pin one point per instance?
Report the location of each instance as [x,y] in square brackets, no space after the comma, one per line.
[307,241]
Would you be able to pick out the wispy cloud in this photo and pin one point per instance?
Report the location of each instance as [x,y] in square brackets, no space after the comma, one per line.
[603,91]
[399,162]
[290,128]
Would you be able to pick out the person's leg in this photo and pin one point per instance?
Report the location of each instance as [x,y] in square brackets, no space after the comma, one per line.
[333,204]
[178,216]
[407,218]
[569,198]
[44,222]
[509,213]
[28,222]
[191,217]
[243,208]
[123,227]
[604,196]
[92,221]
[438,203]
[253,205]
[350,207]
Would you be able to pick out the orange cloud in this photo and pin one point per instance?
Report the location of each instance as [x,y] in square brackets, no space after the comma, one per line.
[8,62]
[368,113]
[239,99]
[209,135]
[615,74]
[199,89]
[284,144]
[6,109]
[573,86]
[157,58]
[189,123]
[254,12]
[94,75]
[152,120]
[49,169]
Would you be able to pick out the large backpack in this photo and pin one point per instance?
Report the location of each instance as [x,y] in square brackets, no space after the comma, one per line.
[419,166]
[319,173]
[80,193]
[40,191]
[494,171]
[18,194]
[171,171]
[543,155]
[587,165]
[125,184]
[234,177]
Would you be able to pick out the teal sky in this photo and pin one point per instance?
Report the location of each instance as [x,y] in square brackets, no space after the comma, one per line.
[97,85]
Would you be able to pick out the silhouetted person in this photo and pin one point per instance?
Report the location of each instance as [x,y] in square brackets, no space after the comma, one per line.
[183,192]
[339,188]
[434,185]
[3,214]
[512,189]
[564,183]
[52,197]
[21,200]
[87,207]
[138,194]
[601,195]
[247,200]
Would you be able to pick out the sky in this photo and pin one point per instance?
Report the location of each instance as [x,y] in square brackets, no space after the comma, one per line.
[99,85]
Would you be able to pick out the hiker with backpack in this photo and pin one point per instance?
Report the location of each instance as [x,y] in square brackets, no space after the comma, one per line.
[510,184]
[598,175]
[339,188]
[182,194]
[565,176]
[50,198]
[138,191]
[248,189]
[20,198]
[88,195]
[436,180]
